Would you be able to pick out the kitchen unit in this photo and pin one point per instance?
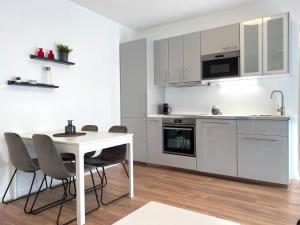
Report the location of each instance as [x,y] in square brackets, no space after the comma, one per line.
[216,146]
[251,48]
[133,67]
[138,94]
[156,152]
[244,147]
[177,60]
[264,46]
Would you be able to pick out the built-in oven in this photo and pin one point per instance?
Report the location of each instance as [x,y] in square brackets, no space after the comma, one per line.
[222,65]
[179,136]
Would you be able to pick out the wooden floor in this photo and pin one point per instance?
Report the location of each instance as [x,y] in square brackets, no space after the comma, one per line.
[237,201]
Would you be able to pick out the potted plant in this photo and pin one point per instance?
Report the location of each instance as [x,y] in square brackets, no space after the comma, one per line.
[63,52]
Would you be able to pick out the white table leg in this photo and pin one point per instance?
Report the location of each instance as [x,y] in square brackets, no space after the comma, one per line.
[130,161]
[80,197]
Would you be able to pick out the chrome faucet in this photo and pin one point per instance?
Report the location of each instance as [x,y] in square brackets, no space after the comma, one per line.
[280,109]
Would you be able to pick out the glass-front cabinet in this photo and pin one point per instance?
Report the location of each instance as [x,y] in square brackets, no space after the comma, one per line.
[275,44]
[251,47]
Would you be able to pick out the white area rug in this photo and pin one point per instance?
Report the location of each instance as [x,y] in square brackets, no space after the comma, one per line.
[154,213]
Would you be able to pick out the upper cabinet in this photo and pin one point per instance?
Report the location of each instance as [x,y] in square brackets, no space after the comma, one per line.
[161,62]
[263,45]
[221,39]
[191,56]
[275,44]
[177,60]
[251,47]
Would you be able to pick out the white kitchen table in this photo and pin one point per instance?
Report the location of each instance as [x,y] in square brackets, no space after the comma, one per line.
[79,146]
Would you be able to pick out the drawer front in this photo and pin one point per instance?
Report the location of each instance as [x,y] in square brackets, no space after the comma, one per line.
[263,127]
[263,158]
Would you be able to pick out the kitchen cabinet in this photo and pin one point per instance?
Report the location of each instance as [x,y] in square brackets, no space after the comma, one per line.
[133,78]
[275,44]
[175,59]
[155,149]
[216,146]
[263,150]
[251,47]
[191,56]
[138,126]
[161,62]
[155,140]
[221,39]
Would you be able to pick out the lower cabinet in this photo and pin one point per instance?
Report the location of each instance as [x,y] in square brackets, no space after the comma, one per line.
[155,148]
[263,158]
[216,146]
[138,126]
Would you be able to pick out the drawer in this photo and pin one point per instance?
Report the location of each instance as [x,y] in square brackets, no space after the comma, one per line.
[263,127]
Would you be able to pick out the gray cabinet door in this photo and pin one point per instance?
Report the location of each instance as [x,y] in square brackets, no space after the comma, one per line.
[175,59]
[275,44]
[161,62]
[221,39]
[263,158]
[137,126]
[133,78]
[155,140]
[216,146]
[251,47]
[191,56]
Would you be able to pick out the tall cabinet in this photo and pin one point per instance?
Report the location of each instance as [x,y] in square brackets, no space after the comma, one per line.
[133,78]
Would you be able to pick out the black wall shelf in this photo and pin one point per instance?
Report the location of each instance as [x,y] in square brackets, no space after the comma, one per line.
[51,60]
[12,82]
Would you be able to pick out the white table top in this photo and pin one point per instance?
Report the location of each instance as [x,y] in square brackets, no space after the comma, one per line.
[155,213]
[90,137]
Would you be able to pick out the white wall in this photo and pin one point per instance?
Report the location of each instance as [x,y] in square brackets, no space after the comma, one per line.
[89,91]
[241,98]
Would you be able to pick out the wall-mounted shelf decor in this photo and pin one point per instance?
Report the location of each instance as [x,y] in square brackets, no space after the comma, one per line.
[12,82]
[35,57]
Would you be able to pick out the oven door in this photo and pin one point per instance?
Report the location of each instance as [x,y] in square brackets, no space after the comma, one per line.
[179,140]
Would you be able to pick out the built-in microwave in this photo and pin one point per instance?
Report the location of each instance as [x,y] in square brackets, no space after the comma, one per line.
[221,65]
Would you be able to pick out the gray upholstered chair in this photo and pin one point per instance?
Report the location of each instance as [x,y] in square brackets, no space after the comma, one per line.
[110,156]
[69,157]
[22,161]
[51,164]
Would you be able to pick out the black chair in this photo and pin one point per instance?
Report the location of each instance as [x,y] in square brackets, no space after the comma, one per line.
[69,157]
[51,164]
[22,161]
[108,157]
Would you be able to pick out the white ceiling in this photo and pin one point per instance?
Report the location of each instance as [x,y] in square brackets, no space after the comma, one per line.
[145,14]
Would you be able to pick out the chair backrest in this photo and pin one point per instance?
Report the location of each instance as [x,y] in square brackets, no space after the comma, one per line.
[116,153]
[49,159]
[89,128]
[18,153]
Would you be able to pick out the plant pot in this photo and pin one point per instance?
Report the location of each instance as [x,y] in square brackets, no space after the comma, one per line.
[63,56]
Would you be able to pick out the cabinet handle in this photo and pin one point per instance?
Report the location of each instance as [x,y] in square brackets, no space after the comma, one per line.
[260,139]
[216,123]
[165,76]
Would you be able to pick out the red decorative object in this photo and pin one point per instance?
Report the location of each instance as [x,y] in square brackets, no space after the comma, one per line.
[41,53]
[50,55]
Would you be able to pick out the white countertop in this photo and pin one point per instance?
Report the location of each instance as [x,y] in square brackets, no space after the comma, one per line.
[225,117]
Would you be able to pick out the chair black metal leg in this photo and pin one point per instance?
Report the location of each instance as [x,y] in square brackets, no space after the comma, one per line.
[64,200]
[109,202]
[29,193]
[47,206]
[123,164]
[11,179]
